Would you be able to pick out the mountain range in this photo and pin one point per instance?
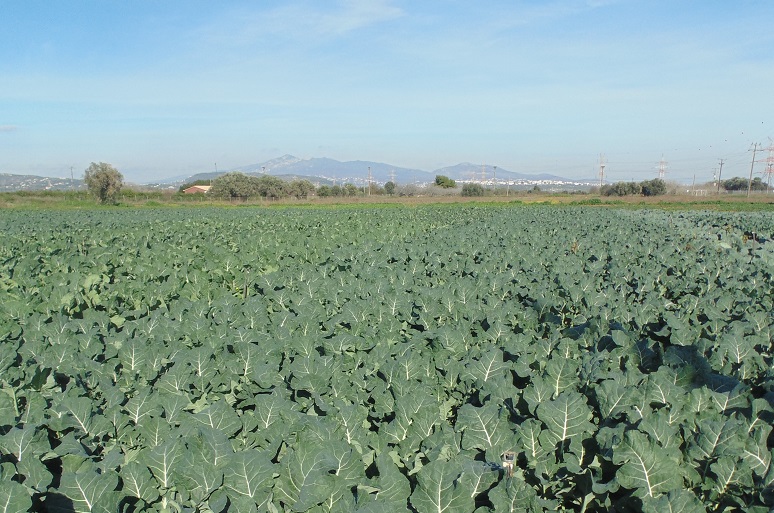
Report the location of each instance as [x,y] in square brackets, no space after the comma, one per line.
[327,170]
[321,171]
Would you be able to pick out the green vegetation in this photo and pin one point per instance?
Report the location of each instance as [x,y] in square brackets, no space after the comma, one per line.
[445,182]
[472,189]
[741,184]
[241,186]
[103,181]
[455,358]
[655,187]
[389,188]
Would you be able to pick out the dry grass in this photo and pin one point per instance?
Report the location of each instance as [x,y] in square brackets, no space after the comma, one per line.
[758,201]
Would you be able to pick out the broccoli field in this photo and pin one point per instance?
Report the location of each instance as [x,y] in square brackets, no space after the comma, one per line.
[427,359]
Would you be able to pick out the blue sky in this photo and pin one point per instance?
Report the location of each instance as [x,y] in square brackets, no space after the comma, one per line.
[167,88]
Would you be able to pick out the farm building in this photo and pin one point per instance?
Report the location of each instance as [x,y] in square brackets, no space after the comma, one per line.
[196,189]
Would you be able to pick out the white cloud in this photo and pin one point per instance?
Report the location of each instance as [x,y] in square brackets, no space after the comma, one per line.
[300,21]
[8,128]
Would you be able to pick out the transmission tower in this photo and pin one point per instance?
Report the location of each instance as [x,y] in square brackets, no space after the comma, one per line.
[602,163]
[754,150]
[483,173]
[662,166]
[392,175]
[769,165]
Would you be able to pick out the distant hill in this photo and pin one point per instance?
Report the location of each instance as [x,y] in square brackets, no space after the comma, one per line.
[327,171]
[477,172]
[322,171]
[12,183]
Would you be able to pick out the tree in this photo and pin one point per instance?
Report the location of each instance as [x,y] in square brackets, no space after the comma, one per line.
[389,188]
[104,181]
[472,189]
[272,187]
[301,188]
[655,187]
[445,182]
[621,189]
[350,190]
[741,184]
[234,185]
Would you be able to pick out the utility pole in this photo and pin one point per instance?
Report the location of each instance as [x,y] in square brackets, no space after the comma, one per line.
[693,185]
[483,173]
[369,180]
[494,177]
[72,178]
[720,174]
[602,162]
[754,149]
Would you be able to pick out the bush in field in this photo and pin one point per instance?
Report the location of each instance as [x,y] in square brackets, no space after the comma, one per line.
[621,189]
[234,185]
[301,188]
[655,187]
[104,181]
[272,187]
[472,189]
[445,182]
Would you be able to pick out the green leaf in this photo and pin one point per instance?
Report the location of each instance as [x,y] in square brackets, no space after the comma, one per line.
[138,482]
[561,373]
[88,491]
[487,366]
[438,489]
[80,410]
[220,416]
[485,428]
[677,501]
[198,476]
[392,486]
[248,476]
[141,406]
[36,474]
[613,397]
[731,475]
[24,442]
[162,460]
[566,417]
[646,467]
[537,392]
[513,495]
[14,497]
[716,437]
[305,479]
